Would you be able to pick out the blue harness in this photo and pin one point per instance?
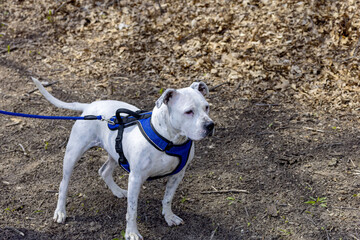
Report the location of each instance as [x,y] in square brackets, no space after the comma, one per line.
[143,120]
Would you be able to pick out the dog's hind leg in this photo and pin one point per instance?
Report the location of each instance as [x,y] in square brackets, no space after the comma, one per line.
[106,172]
[77,145]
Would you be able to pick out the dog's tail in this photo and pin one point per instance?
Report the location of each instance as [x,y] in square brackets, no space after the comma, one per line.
[58,103]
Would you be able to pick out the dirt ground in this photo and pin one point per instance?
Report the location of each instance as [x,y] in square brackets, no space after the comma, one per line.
[284,93]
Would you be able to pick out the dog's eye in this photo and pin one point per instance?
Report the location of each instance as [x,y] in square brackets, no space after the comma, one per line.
[207,108]
[190,112]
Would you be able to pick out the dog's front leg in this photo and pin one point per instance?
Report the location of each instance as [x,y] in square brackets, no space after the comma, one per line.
[171,186]
[135,182]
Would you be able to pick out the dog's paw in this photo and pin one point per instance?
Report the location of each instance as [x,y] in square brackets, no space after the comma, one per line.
[59,216]
[118,192]
[133,236]
[173,220]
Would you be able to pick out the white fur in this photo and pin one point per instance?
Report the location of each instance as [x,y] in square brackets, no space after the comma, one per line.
[169,118]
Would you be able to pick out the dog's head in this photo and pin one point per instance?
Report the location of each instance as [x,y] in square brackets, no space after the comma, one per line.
[188,110]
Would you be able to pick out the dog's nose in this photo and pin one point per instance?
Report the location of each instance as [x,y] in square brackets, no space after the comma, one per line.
[210,126]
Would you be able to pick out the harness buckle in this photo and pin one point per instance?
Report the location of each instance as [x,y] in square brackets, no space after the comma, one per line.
[109,121]
[169,146]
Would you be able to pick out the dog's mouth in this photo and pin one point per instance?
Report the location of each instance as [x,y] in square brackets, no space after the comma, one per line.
[209,133]
[212,133]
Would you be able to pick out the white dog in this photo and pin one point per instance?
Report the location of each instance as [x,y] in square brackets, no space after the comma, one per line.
[179,117]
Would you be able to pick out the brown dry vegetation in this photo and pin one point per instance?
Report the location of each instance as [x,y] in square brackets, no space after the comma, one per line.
[284,80]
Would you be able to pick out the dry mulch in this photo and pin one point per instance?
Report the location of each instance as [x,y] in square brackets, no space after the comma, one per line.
[284,82]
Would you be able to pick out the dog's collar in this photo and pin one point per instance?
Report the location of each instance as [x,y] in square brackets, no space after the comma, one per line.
[155,138]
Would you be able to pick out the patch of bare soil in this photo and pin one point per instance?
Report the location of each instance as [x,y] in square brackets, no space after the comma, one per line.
[284,82]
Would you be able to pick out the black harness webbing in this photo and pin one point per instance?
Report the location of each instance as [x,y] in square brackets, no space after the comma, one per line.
[123,122]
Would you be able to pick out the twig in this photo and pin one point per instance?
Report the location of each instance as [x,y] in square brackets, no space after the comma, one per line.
[216,86]
[226,191]
[356,238]
[41,203]
[17,231]
[267,104]
[347,208]
[51,191]
[22,147]
[265,97]
[313,129]
[60,7]
[161,9]
[353,163]
[9,50]
[246,211]
[63,143]
[213,233]
[45,85]
[13,124]
[10,151]
[124,78]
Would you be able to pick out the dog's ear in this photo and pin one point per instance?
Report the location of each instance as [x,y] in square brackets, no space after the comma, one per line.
[166,97]
[201,87]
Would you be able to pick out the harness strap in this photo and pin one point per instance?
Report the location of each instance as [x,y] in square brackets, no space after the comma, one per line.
[181,151]
[121,123]
[118,145]
[127,111]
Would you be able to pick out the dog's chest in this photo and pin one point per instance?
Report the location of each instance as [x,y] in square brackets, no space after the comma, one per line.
[144,157]
[162,164]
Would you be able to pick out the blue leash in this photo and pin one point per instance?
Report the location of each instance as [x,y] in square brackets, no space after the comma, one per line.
[87,117]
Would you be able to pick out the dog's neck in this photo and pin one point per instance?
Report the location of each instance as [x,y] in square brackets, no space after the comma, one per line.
[161,122]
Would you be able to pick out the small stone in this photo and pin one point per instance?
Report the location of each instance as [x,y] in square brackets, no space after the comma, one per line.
[214,71]
[272,210]
[333,162]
